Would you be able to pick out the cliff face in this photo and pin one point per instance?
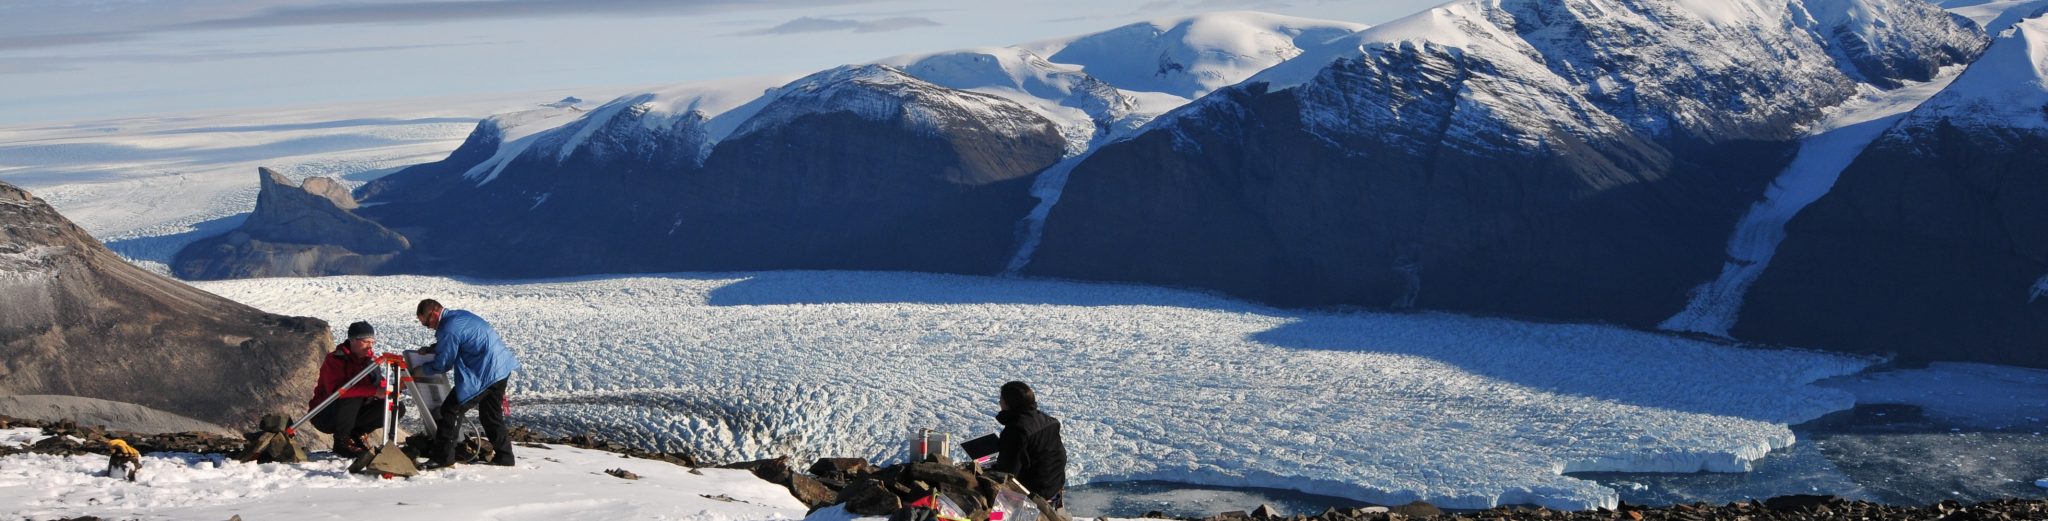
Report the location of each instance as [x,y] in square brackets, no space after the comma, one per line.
[80,321]
[296,231]
[1933,244]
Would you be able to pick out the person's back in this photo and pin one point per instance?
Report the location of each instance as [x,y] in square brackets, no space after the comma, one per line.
[1031,447]
[477,353]
[483,366]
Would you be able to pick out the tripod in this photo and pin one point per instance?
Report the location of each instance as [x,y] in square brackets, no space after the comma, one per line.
[387,459]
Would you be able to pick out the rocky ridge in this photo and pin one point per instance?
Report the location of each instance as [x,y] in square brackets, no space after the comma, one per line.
[295,231]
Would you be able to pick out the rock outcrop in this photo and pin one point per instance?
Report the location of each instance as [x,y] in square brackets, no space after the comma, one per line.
[296,231]
[80,321]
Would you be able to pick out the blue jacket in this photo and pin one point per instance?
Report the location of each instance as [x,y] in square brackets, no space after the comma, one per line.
[468,345]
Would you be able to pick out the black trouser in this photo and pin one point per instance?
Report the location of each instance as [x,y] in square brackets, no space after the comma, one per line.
[490,406]
[348,418]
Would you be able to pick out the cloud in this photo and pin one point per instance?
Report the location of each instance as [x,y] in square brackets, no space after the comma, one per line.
[819,25]
[20,30]
[1213,5]
[38,41]
[69,63]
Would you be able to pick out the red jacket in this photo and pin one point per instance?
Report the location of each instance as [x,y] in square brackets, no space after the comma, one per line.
[336,369]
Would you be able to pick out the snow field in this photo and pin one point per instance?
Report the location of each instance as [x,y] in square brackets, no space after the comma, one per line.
[556,483]
[21,437]
[1151,383]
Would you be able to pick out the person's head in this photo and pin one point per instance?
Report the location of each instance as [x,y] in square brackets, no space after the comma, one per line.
[361,338]
[429,314]
[1017,396]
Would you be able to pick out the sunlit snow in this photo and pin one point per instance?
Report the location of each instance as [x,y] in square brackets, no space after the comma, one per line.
[1151,383]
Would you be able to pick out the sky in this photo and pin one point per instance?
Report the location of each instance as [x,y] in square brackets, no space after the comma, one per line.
[72,60]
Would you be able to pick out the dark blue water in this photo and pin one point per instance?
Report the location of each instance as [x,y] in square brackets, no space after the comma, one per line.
[1884,453]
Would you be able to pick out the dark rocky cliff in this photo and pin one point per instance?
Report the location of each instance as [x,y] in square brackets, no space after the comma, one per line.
[296,231]
[80,321]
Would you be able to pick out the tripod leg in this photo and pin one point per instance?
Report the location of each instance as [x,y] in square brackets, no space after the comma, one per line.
[420,400]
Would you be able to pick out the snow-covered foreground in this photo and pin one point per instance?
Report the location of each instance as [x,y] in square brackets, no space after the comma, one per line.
[1151,383]
[549,484]
[150,185]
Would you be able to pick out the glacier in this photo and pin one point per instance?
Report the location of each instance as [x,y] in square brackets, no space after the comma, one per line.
[1151,383]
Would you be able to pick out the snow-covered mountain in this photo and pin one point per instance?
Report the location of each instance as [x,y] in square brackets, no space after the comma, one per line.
[1934,242]
[1575,159]
[1193,56]
[1578,159]
[913,162]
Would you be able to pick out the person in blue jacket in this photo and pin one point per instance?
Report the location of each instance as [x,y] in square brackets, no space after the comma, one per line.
[483,366]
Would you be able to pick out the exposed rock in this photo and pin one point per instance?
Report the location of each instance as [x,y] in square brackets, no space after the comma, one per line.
[622,474]
[1417,509]
[80,321]
[1798,502]
[1265,512]
[116,416]
[812,493]
[296,231]
[775,470]
[869,497]
[842,469]
[940,474]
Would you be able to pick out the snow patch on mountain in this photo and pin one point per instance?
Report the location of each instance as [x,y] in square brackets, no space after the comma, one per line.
[1150,383]
[1357,84]
[1189,57]
[886,94]
[515,132]
[1086,109]
[1994,15]
[2006,88]
[1716,70]
[556,132]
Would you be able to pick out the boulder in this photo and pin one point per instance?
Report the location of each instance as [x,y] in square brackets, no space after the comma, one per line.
[941,475]
[1417,509]
[1265,512]
[775,470]
[813,494]
[79,320]
[869,497]
[842,469]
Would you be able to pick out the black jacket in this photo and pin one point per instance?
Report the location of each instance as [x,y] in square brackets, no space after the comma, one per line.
[1031,450]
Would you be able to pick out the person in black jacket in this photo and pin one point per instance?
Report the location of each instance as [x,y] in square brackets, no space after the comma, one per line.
[1030,445]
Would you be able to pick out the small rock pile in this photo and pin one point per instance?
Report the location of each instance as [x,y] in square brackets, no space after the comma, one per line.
[868,490]
[67,438]
[1774,509]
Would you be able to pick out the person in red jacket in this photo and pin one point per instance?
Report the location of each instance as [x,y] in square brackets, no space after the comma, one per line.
[359,410]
